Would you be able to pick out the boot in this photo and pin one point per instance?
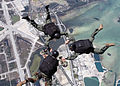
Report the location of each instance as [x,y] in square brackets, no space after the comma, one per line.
[110,44]
[22,83]
[100,27]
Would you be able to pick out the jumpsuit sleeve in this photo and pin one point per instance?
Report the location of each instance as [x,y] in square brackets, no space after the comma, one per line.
[39,27]
[72,56]
[71,38]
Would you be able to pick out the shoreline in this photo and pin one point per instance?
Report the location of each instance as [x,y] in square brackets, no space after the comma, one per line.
[69,14]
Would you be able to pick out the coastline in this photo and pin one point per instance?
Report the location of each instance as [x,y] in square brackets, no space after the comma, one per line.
[106,18]
[74,12]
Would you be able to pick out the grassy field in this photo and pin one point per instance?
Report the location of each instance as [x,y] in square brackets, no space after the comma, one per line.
[35,0]
[35,64]
[15,18]
[1,28]
[46,2]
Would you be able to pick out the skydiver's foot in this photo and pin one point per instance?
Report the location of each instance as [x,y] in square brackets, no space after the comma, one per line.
[47,8]
[36,73]
[31,80]
[110,44]
[21,83]
[26,17]
[100,27]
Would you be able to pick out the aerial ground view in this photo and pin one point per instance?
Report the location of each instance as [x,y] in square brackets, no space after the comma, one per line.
[59,42]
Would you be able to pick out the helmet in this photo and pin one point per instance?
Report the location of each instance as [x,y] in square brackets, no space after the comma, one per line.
[57,35]
[72,47]
[55,53]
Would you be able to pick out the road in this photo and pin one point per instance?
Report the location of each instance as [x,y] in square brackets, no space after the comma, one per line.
[10,29]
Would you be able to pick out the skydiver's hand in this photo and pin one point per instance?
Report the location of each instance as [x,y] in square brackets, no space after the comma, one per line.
[51,50]
[100,27]
[63,59]
[66,42]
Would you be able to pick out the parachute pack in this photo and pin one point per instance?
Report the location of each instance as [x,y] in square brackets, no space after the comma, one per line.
[49,65]
[50,29]
[83,46]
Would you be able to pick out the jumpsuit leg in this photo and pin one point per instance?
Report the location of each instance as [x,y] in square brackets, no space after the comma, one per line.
[32,79]
[95,33]
[63,33]
[102,50]
[35,77]
[48,18]
[72,56]
[48,82]
[21,83]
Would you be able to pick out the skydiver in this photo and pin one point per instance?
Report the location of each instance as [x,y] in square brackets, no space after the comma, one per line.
[50,28]
[47,68]
[86,45]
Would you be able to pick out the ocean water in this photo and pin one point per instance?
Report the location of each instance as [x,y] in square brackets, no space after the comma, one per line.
[99,66]
[108,12]
[91,81]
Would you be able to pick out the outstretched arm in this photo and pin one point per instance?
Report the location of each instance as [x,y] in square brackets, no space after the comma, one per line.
[73,56]
[70,38]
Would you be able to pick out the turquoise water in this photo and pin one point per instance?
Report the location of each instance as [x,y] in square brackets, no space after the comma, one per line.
[118,84]
[119,81]
[99,66]
[108,12]
[97,57]
[91,81]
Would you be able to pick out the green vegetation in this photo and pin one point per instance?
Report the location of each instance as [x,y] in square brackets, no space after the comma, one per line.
[35,0]
[15,18]
[1,28]
[76,76]
[109,79]
[35,64]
